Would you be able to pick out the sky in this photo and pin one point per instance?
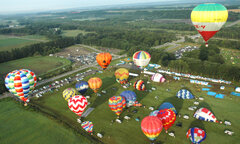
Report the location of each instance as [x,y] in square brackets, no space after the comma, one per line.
[12,6]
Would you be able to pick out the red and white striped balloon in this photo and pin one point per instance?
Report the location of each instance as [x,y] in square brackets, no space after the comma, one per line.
[77,104]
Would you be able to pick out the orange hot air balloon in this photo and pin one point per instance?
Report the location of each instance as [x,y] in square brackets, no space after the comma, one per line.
[104,59]
[95,83]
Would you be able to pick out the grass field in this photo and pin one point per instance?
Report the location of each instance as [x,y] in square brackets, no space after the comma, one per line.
[9,42]
[231,56]
[73,33]
[129,132]
[38,64]
[19,125]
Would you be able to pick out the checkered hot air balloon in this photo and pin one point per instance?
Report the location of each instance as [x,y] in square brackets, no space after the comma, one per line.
[95,83]
[139,85]
[151,127]
[157,77]
[82,87]
[205,115]
[77,104]
[141,59]
[196,135]
[21,83]
[68,93]
[117,104]
[208,19]
[87,126]
[167,117]
[122,75]
[130,97]
[185,94]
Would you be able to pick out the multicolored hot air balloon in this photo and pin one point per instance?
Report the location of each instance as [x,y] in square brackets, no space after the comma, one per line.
[139,85]
[157,77]
[122,75]
[87,126]
[77,104]
[117,104]
[95,83]
[196,135]
[151,127]
[205,115]
[167,105]
[21,83]
[104,59]
[130,97]
[167,117]
[154,113]
[68,93]
[208,19]
[82,87]
[185,94]
[141,59]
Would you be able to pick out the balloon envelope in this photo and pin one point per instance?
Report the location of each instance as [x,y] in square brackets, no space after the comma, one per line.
[196,135]
[130,97]
[95,83]
[104,59]
[122,75]
[82,87]
[68,93]
[139,85]
[167,105]
[157,77]
[154,113]
[167,117]
[87,126]
[205,115]
[21,83]
[141,59]
[185,94]
[117,104]
[77,104]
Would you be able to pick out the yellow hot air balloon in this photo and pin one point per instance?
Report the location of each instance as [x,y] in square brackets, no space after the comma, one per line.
[95,83]
[68,93]
[208,19]
[122,75]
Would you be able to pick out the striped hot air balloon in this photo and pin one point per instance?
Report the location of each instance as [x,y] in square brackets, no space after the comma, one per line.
[95,83]
[196,135]
[208,19]
[157,77]
[141,59]
[205,115]
[139,85]
[122,75]
[77,104]
[68,93]
[21,83]
[151,127]
[168,117]
[82,87]
[87,126]
[117,104]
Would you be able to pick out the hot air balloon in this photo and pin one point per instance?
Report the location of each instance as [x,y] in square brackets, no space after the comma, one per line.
[122,75]
[77,104]
[95,83]
[139,85]
[21,83]
[167,105]
[82,87]
[87,126]
[130,97]
[167,117]
[104,59]
[68,93]
[157,77]
[185,94]
[141,59]
[205,115]
[151,127]
[208,19]
[117,104]
[154,113]
[196,135]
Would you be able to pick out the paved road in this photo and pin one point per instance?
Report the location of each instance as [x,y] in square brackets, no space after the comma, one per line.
[234,23]
[27,38]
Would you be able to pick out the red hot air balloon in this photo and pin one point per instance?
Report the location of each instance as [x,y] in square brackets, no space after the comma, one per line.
[77,104]
[168,117]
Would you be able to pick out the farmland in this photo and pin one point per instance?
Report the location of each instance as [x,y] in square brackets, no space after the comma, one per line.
[73,33]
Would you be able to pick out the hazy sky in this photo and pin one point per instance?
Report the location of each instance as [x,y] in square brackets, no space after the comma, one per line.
[11,6]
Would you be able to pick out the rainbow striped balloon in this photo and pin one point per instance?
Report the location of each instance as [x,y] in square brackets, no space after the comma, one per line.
[68,93]
[139,85]
[141,59]
[21,83]
[117,104]
[208,19]
[87,126]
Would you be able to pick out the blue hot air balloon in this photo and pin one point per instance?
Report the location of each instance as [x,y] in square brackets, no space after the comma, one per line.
[82,87]
[130,97]
[167,105]
[185,94]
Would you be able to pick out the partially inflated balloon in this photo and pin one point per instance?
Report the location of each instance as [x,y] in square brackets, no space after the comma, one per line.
[208,19]
[154,113]
[21,83]
[104,59]
[117,104]
[205,115]
[151,127]
[157,77]
[139,85]
[87,126]
[77,104]
[122,75]
[95,83]
[130,97]
[68,93]
[82,87]
[141,59]
[167,117]
[196,135]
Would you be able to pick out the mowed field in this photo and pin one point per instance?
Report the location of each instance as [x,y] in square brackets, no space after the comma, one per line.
[129,132]
[73,33]
[38,64]
[10,42]
[20,125]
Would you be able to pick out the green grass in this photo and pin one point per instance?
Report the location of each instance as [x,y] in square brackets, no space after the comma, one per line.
[231,56]
[38,64]
[20,125]
[74,33]
[130,132]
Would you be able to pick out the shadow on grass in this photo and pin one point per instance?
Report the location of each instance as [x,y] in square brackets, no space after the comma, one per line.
[176,102]
[197,123]
[143,94]
[205,105]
